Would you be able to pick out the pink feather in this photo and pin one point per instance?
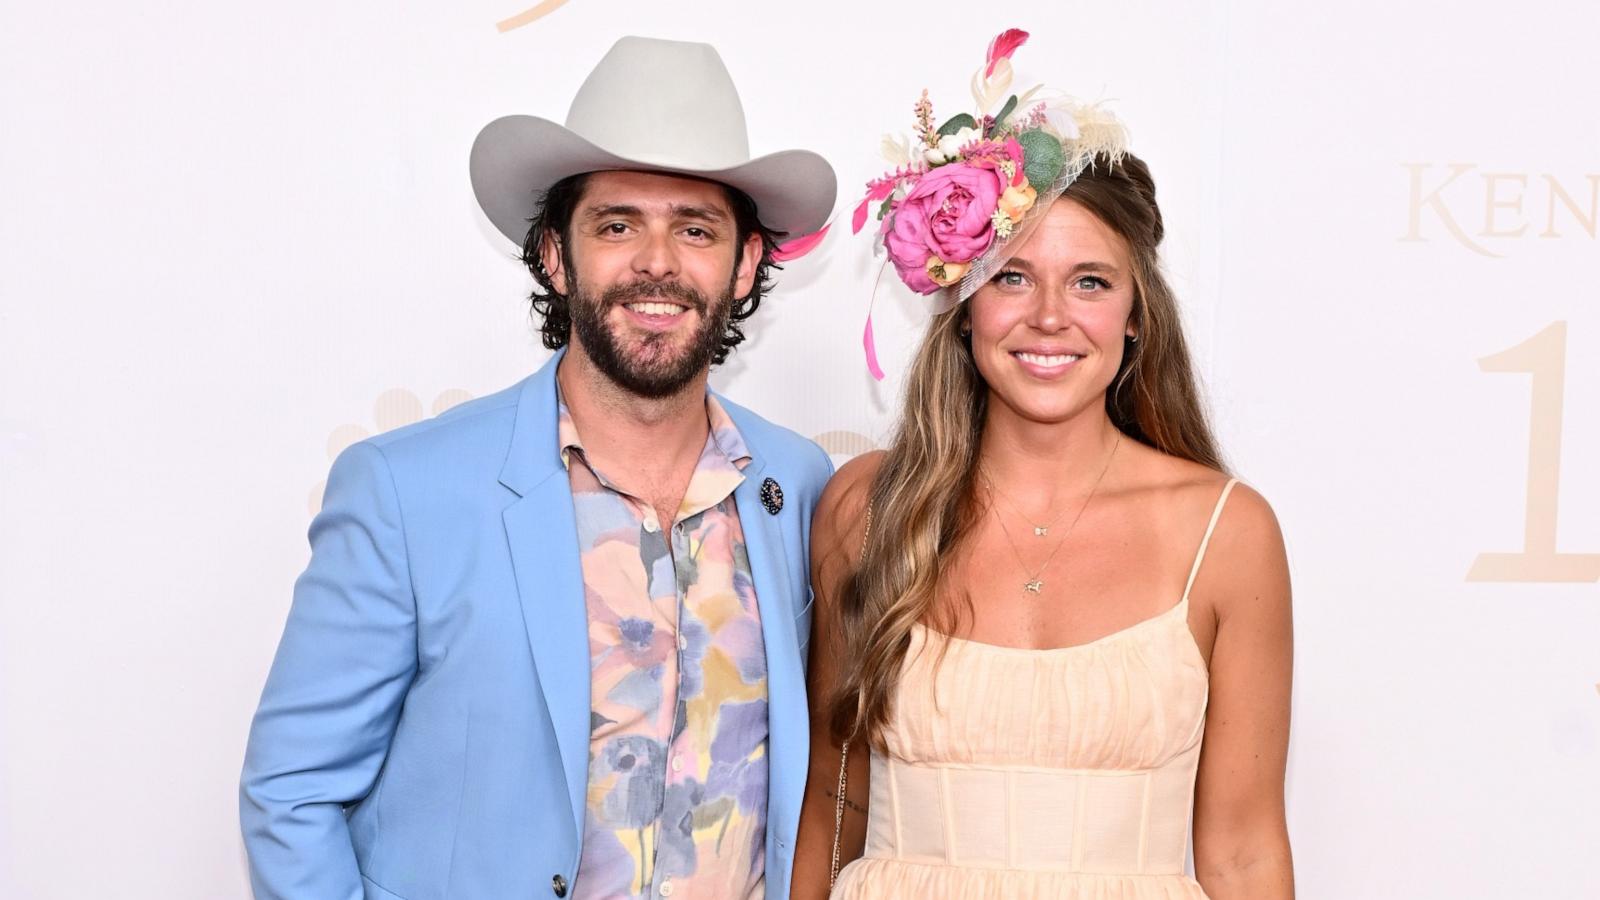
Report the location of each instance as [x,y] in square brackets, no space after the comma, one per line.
[872,350]
[800,246]
[880,189]
[860,217]
[867,342]
[1005,44]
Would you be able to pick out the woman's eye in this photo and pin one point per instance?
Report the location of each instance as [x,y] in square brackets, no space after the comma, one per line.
[1092,283]
[1010,279]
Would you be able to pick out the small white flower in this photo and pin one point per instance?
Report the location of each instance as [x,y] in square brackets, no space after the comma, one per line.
[1002,224]
[950,146]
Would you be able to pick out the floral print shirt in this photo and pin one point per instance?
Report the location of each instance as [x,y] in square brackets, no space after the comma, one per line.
[677,799]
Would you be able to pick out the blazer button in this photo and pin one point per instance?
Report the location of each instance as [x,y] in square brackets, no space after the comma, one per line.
[558,885]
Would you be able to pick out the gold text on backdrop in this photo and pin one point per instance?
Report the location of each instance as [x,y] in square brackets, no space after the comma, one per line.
[1503,202]
[1545,357]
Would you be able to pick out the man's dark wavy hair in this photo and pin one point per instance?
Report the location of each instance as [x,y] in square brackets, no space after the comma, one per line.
[553,216]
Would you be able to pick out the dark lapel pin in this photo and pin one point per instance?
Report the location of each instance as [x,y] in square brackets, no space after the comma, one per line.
[771,496]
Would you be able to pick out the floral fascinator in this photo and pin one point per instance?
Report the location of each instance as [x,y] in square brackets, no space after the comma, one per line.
[964,191]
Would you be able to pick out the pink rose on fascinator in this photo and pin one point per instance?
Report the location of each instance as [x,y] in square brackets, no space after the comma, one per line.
[948,215]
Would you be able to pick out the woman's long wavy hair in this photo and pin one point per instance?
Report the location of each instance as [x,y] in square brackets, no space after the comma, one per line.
[922,501]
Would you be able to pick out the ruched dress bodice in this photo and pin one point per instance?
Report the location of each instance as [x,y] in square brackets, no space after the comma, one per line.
[1062,773]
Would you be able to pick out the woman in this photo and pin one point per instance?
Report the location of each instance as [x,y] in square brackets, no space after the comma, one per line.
[1047,622]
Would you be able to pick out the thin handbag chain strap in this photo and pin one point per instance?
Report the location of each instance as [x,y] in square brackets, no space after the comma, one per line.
[838,815]
[844,753]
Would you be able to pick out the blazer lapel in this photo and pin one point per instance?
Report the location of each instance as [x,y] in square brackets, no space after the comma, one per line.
[542,533]
[766,540]
[543,537]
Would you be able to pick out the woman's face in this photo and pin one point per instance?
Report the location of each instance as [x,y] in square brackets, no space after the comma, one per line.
[1048,329]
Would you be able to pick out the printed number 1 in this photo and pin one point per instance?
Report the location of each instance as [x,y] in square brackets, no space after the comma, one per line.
[1545,357]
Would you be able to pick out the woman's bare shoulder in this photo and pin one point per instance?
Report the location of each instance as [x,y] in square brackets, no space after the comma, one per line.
[1247,533]
[844,500]
[1246,562]
[1182,495]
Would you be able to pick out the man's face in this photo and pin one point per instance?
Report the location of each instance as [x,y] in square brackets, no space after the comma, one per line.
[652,268]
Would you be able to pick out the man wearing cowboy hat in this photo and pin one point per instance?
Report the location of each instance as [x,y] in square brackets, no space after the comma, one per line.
[551,642]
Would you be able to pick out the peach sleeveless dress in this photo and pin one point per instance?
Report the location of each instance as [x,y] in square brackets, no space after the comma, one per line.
[1065,774]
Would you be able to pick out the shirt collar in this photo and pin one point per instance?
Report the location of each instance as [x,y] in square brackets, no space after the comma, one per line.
[725,444]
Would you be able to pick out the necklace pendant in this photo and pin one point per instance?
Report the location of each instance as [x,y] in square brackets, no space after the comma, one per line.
[1041,530]
[1034,586]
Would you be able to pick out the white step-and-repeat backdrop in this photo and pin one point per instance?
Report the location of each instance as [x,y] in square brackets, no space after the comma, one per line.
[236,237]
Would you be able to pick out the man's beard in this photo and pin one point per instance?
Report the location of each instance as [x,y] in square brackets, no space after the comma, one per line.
[648,371]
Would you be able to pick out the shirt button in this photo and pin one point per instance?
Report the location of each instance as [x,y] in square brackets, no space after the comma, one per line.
[677,764]
[683,642]
[666,887]
[558,885]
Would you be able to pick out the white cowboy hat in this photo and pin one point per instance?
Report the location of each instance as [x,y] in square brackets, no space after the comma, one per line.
[656,106]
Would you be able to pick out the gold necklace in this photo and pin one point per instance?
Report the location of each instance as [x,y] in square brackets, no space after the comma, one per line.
[1038,530]
[1035,584]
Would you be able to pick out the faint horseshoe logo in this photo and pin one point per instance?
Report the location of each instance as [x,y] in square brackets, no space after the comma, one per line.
[393,409]
[844,443]
[530,16]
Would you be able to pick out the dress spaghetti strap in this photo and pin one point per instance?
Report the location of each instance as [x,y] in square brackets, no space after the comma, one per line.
[1200,556]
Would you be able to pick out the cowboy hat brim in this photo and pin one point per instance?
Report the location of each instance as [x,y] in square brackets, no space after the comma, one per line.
[516,158]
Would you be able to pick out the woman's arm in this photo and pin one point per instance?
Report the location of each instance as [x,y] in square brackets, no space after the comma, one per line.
[837,530]
[1241,840]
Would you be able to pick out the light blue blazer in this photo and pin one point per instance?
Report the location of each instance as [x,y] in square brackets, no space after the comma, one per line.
[424,732]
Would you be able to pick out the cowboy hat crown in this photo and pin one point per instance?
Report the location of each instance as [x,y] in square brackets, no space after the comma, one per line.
[656,106]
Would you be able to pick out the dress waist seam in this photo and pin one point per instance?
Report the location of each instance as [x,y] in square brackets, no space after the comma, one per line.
[1037,770]
[1002,867]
